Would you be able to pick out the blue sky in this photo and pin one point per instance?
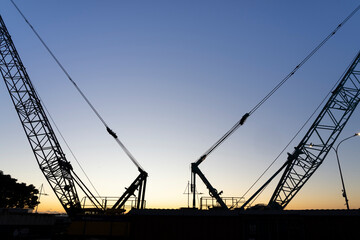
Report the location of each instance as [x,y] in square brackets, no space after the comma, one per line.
[170,78]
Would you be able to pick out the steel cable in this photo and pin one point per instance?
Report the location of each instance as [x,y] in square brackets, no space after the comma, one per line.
[292,139]
[257,106]
[132,158]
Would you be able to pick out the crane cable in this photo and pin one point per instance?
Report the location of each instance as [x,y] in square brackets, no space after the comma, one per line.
[303,61]
[292,139]
[112,133]
[257,106]
[67,145]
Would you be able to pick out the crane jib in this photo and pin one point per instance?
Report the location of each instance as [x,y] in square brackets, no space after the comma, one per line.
[318,141]
[44,143]
[39,132]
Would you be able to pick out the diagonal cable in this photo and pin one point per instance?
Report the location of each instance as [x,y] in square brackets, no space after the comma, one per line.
[132,158]
[257,106]
[292,139]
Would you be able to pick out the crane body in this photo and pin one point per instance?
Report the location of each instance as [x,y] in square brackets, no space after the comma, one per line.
[318,141]
[46,148]
[312,150]
[43,141]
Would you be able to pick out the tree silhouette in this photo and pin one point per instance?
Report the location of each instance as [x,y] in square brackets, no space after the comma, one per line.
[16,195]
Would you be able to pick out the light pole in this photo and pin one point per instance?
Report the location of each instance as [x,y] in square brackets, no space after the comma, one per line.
[338,161]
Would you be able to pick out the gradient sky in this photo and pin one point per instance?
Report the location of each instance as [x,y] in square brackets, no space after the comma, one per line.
[170,78]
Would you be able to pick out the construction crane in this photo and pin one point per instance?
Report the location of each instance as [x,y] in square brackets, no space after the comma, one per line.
[310,153]
[43,141]
[195,170]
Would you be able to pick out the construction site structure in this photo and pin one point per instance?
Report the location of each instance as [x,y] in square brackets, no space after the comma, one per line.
[47,150]
[310,152]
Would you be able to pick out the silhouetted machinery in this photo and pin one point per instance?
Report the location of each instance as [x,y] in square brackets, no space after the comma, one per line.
[299,167]
[318,141]
[311,151]
[48,152]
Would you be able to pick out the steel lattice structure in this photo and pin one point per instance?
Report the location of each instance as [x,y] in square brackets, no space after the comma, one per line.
[47,150]
[312,150]
[48,153]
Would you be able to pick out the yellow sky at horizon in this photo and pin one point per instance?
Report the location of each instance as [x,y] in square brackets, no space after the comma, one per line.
[49,204]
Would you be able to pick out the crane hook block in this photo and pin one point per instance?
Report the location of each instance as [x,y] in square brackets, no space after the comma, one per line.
[243,119]
[111,132]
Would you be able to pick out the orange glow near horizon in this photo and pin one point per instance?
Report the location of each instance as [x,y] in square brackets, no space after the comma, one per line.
[305,203]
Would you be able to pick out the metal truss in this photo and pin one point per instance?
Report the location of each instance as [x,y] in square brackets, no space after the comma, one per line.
[46,148]
[312,150]
[138,184]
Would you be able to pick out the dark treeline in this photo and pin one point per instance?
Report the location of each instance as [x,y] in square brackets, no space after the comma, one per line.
[17,195]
